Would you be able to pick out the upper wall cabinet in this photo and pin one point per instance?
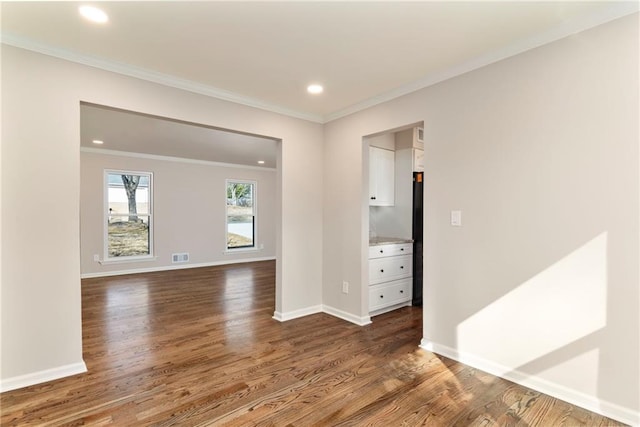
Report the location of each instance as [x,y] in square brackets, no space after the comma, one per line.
[418,160]
[418,138]
[412,139]
[381,177]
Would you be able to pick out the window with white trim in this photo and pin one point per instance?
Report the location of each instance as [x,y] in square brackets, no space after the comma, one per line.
[241,214]
[128,216]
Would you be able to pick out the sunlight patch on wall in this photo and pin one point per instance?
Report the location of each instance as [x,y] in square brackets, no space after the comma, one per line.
[561,304]
[564,372]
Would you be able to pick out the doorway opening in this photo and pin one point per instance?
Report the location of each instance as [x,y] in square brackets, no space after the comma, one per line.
[393,178]
[178,174]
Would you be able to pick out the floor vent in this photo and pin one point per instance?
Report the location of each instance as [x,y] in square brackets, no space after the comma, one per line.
[183,257]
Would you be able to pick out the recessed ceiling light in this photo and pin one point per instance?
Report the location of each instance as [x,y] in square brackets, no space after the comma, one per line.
[314,89]
[93,14]
[261,162]
[97,141]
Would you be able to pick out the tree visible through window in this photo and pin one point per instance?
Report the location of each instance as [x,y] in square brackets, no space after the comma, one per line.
[241,214]
[129,232]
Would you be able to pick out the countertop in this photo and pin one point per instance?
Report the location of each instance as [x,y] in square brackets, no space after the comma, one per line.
[374,241]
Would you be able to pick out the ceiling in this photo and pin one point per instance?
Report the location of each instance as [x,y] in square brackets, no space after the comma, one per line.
[264,54]
[126,131]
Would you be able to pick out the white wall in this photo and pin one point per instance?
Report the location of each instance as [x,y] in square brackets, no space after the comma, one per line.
[386,141]
[189,212]
[540,152]
[40,323]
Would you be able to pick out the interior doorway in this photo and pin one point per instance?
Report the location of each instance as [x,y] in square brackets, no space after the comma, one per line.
[394,203]
[183,169]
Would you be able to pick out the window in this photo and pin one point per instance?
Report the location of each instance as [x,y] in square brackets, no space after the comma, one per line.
[241,214]
[129,231]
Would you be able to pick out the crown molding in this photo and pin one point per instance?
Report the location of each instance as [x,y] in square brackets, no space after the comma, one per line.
[153,76]
[171,159]
[566,29]
[616,10]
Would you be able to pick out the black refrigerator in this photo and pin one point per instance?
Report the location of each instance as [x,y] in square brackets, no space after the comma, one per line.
[417,235]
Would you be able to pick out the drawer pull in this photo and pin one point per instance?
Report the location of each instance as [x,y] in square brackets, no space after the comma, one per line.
[381,251]
[381,270]
[401,291]
[381,296]
[373,197]
[402,249]
[402,266]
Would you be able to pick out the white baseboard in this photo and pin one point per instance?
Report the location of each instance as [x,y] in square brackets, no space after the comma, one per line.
[589,402]
[42,376]
[360,321]
[390,308]
[171,267]
[283,317]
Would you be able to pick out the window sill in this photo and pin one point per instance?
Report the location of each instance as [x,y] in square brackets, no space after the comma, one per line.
[240,251]
[127,260]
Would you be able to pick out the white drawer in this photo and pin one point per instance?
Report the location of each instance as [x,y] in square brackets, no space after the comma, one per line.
[391,249]
[390,268]
[391,293]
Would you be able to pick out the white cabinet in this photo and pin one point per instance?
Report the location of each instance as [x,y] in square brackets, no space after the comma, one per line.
[418,160]
[389,268]
[386,295]
[413,140]
[381,177]
[390,249]
[390,277]
[410,138]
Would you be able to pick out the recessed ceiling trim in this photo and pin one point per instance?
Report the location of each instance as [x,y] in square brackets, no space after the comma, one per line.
[153,76]
[567,29]
[171,159]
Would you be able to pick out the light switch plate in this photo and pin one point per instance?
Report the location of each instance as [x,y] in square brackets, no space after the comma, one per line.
[456,218]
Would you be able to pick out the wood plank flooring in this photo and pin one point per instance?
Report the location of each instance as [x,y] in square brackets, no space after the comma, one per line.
[198,347]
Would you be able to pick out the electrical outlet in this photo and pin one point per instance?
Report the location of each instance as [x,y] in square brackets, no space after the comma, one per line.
[180,257]
[96,257]
[345,287]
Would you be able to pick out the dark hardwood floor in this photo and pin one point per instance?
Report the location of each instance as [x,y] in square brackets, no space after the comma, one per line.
[198,347]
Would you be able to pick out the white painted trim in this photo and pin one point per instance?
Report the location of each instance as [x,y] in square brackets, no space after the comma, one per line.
[591,403]
[105,211]
[170,158]
[171,267]
[360,321]
[614,11]
[283,317]
[254,208]
[26,380]
[153,76]
[389,308]
[128,260]
[568,28]
[241,250]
